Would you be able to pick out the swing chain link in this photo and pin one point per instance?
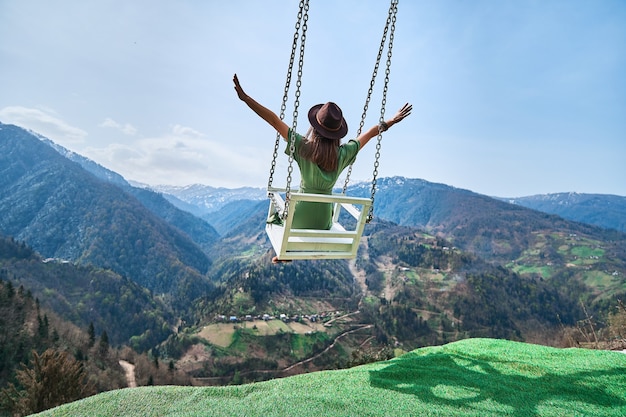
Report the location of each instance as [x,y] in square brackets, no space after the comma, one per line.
[392,11]
[283,106]
[292,137]
[391,20]
[370,90]
[302,17]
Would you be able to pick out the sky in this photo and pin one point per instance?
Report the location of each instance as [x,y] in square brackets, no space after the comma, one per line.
[510,98]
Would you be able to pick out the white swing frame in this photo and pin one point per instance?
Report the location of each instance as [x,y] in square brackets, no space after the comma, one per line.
[335,243]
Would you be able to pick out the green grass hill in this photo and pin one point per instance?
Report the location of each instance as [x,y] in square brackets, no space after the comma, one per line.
[473,377]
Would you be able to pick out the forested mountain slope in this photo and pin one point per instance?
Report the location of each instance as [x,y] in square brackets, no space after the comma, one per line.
[486,226]
[86,294]
[200,231]
[65,212]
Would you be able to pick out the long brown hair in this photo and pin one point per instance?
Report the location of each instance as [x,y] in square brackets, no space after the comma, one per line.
[321,150]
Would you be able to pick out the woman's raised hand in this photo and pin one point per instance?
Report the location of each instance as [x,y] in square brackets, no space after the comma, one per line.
[402,113]
[265,113]
[240,93]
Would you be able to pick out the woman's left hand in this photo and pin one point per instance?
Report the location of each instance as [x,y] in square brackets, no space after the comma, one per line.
[402,113]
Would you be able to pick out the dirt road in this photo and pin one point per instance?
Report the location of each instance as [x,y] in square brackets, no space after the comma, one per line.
[129,368]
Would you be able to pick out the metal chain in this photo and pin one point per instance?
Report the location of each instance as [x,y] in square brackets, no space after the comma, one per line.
[292,141]
[381,49]
[283,106]
[393,10]
[368,98]
[301,24]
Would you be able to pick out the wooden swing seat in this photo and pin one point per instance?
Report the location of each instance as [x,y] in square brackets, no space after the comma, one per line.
[335,243]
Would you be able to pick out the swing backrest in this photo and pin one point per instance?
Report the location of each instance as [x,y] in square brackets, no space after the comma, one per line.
[338,242]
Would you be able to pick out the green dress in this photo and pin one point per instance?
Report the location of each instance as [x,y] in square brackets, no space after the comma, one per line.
[314,180]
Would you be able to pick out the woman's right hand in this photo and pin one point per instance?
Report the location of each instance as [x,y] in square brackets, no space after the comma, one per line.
[240,93]
[265,113]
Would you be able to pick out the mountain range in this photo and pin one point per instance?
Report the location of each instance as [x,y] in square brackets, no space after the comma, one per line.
[437,264]
[458,214]
[604,210]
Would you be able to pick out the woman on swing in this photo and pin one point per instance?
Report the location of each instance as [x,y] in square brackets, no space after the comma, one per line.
[320,155]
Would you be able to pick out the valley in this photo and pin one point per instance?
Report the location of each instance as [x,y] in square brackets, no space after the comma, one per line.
[193,299]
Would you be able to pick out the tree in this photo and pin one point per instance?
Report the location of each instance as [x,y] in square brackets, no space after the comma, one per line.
[42,326]
[55,378]
[103,346]
[91,332]
[10,289]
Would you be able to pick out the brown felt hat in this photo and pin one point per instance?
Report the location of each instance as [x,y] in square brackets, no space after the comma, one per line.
[328,120]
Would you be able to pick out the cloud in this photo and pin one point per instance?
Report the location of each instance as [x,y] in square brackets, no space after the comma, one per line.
[179,130]
[182,156]
[44,123]
[126,128]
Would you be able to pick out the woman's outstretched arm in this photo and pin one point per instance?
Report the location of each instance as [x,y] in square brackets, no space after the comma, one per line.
[265,113]
[373,131]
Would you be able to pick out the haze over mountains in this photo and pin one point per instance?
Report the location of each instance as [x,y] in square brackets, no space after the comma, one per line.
[607,211]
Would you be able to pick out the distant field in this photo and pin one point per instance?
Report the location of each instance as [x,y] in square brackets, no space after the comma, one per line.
[474,377]
[544,271]
[221,334]
[583,255]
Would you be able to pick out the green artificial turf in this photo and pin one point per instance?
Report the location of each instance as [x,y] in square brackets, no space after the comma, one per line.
[474,377]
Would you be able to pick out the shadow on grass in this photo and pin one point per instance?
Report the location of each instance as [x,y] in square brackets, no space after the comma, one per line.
[460,382]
